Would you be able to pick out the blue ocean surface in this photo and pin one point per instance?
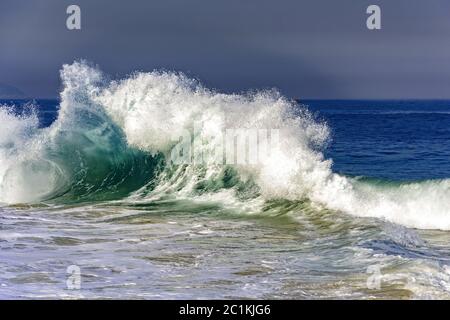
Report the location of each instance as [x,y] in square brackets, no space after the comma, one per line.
[396,140]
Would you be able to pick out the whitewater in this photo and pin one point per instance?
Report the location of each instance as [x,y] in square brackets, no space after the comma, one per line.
[98,188]
[106,128]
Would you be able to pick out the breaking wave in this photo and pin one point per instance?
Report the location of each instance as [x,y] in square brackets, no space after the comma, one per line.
[113,140]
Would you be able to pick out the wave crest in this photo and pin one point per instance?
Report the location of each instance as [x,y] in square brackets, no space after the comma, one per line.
[112,139]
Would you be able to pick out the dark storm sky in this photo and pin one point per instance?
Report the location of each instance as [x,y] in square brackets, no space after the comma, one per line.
[305,48]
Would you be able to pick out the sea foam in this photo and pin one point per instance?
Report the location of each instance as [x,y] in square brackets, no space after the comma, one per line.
[149,112]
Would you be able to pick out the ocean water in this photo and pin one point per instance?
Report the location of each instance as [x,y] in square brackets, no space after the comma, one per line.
[351,204]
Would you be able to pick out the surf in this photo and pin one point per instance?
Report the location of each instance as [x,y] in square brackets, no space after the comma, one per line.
[113,140]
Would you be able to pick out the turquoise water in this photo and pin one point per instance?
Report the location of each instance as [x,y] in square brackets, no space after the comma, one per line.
[352,205]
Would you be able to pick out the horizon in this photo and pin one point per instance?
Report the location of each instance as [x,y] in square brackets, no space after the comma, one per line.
[298,100]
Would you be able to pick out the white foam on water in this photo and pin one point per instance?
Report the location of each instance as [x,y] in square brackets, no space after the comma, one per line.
[154,109]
